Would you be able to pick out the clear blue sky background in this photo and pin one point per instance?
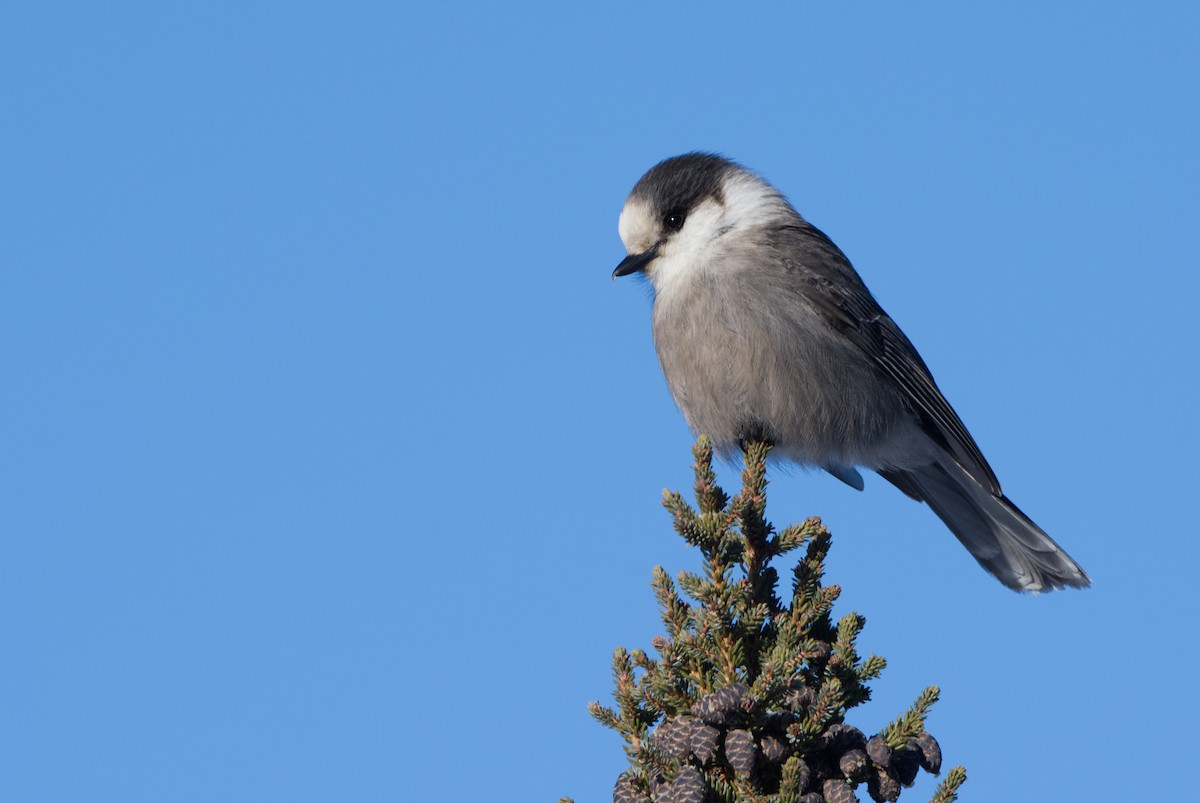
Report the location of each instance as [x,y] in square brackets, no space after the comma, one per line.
[331,456]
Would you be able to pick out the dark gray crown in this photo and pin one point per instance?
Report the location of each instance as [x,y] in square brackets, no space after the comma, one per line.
[681,182]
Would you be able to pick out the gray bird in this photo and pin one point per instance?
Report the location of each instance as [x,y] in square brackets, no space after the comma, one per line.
[765,332]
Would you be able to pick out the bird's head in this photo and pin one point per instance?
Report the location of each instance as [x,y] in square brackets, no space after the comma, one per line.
[683,206]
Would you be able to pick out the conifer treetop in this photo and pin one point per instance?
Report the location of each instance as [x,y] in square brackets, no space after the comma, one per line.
[747,697]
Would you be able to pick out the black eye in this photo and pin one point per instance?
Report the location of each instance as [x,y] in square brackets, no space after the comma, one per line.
[673,221]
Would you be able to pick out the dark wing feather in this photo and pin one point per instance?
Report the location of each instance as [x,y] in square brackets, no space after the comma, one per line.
[831,284]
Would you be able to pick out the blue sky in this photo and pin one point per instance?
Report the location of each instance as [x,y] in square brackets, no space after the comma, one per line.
[332,457]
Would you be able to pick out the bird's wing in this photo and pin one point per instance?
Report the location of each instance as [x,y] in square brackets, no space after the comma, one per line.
[824,276]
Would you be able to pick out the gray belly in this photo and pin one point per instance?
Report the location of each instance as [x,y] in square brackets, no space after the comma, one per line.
[777,372]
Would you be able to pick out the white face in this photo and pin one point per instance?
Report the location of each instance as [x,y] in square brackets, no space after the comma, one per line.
[748,203]
[638,227]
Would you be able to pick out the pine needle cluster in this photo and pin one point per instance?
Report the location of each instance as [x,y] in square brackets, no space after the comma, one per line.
[747,697]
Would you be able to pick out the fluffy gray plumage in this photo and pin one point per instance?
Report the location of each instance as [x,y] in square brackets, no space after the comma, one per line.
[765,331]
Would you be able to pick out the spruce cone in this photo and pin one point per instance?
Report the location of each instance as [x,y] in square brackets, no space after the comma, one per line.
[626,792]
[800,699]
[853,764]
[878,751]
[883,786]
[673,737]
[703,740]
[906,762]
[715,708]
[739,751]
[845,737]
[931,753]
[688,787]
[773,749]
[812,797]
[838,791]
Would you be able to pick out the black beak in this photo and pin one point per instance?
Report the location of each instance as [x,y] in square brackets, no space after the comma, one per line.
[635,263]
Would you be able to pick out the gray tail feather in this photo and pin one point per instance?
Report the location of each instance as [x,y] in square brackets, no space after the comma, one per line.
[1012,548]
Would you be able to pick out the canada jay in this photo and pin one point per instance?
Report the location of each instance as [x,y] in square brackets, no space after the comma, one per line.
[765,332]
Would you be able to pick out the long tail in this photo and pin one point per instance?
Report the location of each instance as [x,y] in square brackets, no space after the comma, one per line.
[1012,548]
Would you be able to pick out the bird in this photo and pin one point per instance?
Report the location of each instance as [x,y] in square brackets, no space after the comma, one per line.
[765,332]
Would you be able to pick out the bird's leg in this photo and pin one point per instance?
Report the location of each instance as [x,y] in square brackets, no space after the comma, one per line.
[754,432]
